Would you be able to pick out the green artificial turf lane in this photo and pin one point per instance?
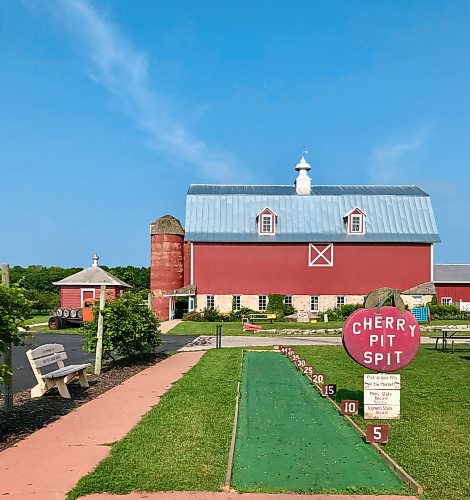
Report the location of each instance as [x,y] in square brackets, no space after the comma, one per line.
[290,438]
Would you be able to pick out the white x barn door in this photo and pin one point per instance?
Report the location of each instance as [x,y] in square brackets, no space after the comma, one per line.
[320,255]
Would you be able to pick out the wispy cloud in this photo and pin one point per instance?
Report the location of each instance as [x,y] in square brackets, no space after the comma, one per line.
[392,162]
[122,70]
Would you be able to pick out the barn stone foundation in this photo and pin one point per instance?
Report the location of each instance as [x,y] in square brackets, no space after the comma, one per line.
[300,302]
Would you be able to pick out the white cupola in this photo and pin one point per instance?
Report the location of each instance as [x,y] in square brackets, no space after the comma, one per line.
[303,183]
[95,259]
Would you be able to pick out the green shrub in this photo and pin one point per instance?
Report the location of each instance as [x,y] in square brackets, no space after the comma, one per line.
[192,316]
[342,312]
[130,328]
[243,312]
[447,312]
[211,315]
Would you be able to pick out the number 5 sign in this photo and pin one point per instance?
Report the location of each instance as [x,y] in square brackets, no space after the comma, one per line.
[377,433]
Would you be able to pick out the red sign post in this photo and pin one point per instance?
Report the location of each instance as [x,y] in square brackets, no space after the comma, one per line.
[377,433]
[349,407]
[384,342]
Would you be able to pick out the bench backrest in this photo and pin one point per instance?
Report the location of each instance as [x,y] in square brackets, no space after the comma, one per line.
[47,354]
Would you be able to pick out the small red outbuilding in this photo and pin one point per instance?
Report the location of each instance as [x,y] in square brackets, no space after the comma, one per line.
[87,283]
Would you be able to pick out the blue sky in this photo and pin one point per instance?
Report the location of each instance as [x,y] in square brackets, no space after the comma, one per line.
[110,109]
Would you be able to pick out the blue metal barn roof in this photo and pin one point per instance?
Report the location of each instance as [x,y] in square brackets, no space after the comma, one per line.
[228,213]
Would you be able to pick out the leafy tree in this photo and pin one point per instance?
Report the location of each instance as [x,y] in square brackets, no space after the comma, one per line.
[130,328]
[137,277]
[42,302]
[14,309]
[40,278]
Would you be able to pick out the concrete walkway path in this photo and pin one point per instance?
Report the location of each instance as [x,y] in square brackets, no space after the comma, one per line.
[208,342]
[49,463]
[166,326]
[206,495]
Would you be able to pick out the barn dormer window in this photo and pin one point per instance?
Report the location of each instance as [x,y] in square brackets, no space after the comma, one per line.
[355,221]
[266,222]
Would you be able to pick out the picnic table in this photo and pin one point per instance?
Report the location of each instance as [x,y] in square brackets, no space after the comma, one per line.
[260,317]
[452,334]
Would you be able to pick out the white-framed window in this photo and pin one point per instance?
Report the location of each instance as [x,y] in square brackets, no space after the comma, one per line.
[340,300]
[417,301]
[356,223]
[314,303]
[262,302]
[320,255]
[266,222]
[210,301]
[236,302]
[446,301]
[288,300]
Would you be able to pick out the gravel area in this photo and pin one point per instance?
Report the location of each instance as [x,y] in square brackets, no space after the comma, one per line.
[29,415]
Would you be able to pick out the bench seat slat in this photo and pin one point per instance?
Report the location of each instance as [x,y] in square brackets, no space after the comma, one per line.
[62,372]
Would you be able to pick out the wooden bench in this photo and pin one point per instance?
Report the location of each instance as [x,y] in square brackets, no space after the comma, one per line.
[47,355]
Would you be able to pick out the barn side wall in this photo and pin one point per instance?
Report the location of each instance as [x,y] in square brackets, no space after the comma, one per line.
[458,292]
[254,269]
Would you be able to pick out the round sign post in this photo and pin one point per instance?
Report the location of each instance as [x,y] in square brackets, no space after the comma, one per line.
[385,341]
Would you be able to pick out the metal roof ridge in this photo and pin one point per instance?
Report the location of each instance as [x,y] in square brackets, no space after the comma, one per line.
[451,264]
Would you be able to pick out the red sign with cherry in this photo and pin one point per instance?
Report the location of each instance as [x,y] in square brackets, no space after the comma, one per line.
[385,341]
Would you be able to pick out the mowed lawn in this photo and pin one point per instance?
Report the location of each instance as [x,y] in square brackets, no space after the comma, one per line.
[432,438]
[183,442]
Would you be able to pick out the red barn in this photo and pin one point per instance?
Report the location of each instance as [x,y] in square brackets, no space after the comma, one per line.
[452,282]
[87,283]
[320,246]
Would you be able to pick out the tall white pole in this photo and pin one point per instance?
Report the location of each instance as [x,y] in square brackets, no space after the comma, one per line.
[99,333]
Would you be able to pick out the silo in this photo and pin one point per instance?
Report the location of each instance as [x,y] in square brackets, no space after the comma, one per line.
[167,261]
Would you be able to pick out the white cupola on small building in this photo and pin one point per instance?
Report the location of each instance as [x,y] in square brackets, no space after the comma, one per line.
[303,183]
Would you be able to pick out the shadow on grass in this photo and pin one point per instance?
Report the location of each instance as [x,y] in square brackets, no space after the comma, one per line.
[348,394]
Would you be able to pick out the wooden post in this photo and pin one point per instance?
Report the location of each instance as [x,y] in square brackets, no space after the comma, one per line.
[99,333]
[149,300]
[7,355]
